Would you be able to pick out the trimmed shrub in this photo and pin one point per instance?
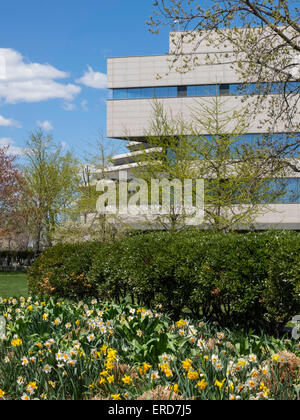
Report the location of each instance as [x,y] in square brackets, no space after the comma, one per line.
[62,271]
[244,280]
[144,267]
[238,280]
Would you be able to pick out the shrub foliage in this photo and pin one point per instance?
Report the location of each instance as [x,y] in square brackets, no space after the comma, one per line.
[247,280]
[62,271]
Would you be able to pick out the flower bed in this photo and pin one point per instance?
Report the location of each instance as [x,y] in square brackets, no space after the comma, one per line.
[91,350]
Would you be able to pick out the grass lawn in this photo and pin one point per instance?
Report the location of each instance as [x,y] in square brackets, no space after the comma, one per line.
[13,284]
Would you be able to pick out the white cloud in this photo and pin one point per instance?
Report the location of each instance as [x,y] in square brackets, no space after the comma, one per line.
[84,105]
[8,122]
[14,150]
[31,82]
[68,107]
[93,79]
[45,125]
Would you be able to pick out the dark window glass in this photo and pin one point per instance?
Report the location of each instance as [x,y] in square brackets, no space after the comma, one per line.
[182,91]
[224,89]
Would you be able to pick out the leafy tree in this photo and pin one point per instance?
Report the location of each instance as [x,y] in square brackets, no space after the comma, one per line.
[52,185]
[240,178]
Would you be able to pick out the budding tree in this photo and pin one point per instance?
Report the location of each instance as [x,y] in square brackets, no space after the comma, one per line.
[51,178]
[240,178]
[260,41]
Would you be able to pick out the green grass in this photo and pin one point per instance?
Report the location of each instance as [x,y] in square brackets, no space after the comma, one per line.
[13,284]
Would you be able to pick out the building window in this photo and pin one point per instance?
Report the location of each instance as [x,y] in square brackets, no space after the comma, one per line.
[290,188]
[120,94]
[166,92]
[182,91]
[224,89]
[147,93]
[203,90]
[134,93]
[279,191]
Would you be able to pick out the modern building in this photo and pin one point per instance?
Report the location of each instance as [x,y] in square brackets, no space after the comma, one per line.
[134,82]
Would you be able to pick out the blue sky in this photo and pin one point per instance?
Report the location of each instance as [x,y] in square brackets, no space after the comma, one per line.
[53,63]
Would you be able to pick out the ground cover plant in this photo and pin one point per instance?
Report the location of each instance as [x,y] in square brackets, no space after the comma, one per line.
[13,283]
[86,349]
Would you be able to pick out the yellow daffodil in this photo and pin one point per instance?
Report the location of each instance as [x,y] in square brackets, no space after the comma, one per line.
[202,384]
[193,375]
[180,323]
[17,342]
[110,379]
[187,364]
[146,367]
[220,384]
[127,380]
[174,388]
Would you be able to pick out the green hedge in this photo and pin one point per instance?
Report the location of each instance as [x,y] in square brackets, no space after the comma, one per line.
[245,280]
[62,271]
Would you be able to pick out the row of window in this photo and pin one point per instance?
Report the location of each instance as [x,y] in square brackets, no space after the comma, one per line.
[144,93]
[279,191]
[202,90]
[276,141]
[290,189]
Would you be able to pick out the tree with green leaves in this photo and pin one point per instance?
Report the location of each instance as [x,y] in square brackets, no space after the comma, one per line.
[240,178]
[52,180]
